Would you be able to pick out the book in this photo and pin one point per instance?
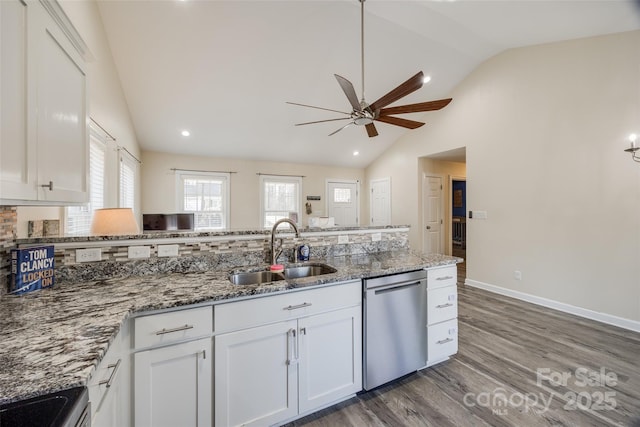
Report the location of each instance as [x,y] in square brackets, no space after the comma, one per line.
[31,269]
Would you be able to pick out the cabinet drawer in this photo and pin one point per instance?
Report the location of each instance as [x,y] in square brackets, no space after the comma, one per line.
[442,304]
[174,326]
[442,341]
[260,311]
[442,276]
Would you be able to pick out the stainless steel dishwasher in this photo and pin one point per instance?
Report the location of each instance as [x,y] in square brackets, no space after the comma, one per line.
[394,333]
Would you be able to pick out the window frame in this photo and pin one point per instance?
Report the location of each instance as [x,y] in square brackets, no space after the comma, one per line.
[126,159]
[181,175]
[280,179]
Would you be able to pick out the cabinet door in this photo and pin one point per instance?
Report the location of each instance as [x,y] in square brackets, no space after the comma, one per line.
[330,357]
[109,388]
[17,147]
[256,375]
[62,131]
[173,385]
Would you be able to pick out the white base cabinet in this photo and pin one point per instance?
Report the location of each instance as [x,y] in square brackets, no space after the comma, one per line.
[442,314]
[109,387]
[173,385]
[298,352]
[255,383]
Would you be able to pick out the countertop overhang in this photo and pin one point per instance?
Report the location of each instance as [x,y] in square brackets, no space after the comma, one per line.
[54,339]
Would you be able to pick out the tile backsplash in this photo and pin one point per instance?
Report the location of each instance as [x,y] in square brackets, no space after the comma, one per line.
[198,253]
[8,230]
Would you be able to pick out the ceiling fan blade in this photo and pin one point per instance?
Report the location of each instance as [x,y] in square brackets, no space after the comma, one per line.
[411,85]
[371,130]
[322,121]
[336,131]
[348,90]
[410,124]
[318,108]
[416,108]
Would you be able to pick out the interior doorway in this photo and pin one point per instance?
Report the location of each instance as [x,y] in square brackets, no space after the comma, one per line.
[458,200]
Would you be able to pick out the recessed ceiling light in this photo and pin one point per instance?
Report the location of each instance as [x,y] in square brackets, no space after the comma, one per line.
[355,153]
[426,79]
[185,133]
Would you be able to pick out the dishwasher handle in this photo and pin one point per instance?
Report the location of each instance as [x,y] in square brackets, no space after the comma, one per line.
[397,287]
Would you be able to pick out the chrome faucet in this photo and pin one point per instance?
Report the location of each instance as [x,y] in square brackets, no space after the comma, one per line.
[275,252]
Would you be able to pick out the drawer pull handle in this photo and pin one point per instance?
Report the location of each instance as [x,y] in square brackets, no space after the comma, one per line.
[444,305]
[295,307]
[178,329]
[444,278]
[444,341]
[115,367]
[204,354]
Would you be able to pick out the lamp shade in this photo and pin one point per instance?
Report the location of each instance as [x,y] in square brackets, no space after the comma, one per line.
[114,221]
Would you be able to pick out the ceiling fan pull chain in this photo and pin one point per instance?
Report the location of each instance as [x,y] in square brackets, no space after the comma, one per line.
[362,45]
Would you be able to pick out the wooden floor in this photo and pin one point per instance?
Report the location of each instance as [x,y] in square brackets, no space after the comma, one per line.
[509,352]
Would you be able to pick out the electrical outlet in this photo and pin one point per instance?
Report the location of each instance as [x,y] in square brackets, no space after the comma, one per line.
[517,275]
[88,255]
[139,251]
[167,250]
[376,237]
[343,239]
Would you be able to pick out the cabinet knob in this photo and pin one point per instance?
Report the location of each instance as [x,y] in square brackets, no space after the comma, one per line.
[428,227]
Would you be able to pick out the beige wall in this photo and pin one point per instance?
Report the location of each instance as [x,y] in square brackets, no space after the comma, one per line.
[159,183]
[544,129]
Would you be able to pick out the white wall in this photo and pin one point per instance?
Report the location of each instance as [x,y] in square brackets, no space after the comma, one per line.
[159,183]
[544,129]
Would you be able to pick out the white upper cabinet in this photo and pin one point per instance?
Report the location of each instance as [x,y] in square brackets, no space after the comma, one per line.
[44,137]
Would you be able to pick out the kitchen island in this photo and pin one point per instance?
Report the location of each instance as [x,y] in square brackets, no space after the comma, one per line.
[54,339]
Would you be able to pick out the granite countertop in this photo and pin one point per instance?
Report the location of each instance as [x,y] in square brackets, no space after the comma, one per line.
[53,339]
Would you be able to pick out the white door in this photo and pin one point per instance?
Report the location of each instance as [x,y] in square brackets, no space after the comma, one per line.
[256,375]
[432,214]
[381,201]
[330,357]
[173,385]
[342,202]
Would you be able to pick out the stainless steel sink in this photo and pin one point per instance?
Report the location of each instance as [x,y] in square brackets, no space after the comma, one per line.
[296,272]
[307,271]
[255,278]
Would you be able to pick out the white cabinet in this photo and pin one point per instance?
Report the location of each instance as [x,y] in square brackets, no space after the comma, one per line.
[294,354]
[173,385]
[173,368]
[109,388]
[330,357]
[256,376]
[44,137]
[442,313]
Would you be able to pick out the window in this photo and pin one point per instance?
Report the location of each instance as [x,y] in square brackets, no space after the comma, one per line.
[206,194]
[78,218]
[128,172]
[280,198]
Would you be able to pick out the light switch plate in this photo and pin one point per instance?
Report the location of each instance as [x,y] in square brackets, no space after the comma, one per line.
[139,251]
[343,239]
[480,214]
[376,237]
[167,250]
[88,255]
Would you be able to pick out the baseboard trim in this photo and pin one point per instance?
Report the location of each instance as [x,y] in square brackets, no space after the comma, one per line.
[560,306]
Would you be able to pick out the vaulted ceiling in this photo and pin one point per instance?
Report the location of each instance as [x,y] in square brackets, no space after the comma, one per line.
[223,70]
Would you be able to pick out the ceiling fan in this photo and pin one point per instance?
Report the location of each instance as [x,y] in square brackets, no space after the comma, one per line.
[364,114]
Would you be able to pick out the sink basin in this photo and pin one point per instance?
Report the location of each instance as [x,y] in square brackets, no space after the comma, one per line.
[255,277]
[307,271]
[297,272]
